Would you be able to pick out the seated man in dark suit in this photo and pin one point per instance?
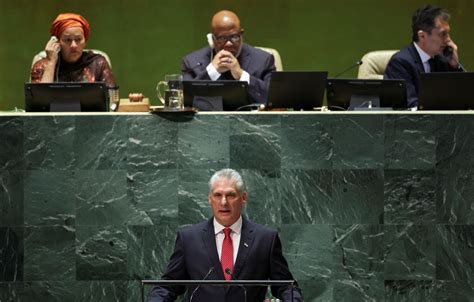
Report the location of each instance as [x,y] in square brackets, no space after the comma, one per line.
[432,50]
[225,247]
[228,58]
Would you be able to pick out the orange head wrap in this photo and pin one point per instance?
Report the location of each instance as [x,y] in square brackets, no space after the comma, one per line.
[64,21]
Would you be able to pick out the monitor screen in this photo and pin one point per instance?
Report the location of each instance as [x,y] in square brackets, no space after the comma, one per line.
[299,90]
[66,97]
[446,91]
[355,94]
[216,95]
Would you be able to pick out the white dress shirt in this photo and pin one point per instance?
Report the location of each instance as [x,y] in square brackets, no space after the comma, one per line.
[234,235]
[214,74]
[424,57]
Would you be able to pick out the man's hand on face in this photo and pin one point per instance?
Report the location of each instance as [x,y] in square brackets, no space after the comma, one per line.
[453,58]
[224,61]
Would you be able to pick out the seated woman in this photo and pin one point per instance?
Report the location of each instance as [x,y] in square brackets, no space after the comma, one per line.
[65,59]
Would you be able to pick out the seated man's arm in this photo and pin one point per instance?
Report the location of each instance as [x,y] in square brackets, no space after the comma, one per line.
[193,70]
[279,271]
[176,270]
[258,86]
[401,69]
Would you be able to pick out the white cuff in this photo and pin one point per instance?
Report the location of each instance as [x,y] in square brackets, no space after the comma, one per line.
[212,72]
[245,77]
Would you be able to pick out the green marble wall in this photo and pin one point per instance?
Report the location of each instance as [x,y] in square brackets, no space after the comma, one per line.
[370,207]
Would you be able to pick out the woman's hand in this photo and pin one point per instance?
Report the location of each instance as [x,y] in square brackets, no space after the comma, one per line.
[52,49]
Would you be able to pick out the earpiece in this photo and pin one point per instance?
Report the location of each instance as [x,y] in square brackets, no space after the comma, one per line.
[210,40]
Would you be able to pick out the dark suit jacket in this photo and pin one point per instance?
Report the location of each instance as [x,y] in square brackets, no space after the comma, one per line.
[258,63]
[406,64]
[259,258]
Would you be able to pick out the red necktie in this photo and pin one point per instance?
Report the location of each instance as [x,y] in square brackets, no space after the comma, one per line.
[227,255]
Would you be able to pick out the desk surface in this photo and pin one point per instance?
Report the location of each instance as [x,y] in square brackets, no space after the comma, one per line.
[451,112]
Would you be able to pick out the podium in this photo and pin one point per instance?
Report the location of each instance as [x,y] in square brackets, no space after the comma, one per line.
[217,283]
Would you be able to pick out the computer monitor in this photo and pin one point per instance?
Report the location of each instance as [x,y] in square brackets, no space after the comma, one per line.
[66,97]
[358,94]
[299,90]
[209,95]
[446,91]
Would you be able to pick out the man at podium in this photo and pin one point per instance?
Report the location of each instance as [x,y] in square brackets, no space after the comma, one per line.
[226,247]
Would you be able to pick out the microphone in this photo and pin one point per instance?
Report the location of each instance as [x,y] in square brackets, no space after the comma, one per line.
[358,63]
[254,106]
[197,287]
[191,69]
[228,272]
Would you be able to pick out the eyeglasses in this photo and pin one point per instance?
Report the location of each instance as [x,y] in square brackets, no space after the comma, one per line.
[235,38]
[231,196]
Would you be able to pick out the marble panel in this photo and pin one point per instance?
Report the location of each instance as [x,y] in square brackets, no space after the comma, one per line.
[11,254]
[459,291]
[11,291]
[49,254]
[410,290]
[455,142]
[152,143]
[308,251]
[358,141]
[11,198]
[410,142]
[358,290]
[154,195]
[51,291]
[102,291]
[306,197]
[11,136]
[306,142]
[203,143]
[255,142]
[149,249]
[410,252]
[49,143]
[102,199]
[101,253]
[357,196]
[358,254]
[100,142]
[49,198]
[193,191]
[317,289]
[455,253]
[455,196]
[264,197]
[410,196]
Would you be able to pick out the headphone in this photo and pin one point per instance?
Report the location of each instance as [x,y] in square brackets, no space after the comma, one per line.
[210,41]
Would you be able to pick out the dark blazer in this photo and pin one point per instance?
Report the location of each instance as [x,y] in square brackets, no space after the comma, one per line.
[406,64]
[258,63]
[259,258]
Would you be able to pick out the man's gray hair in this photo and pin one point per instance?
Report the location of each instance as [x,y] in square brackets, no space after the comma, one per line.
[229,174]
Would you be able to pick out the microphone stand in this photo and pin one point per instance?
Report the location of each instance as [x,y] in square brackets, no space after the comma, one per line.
[228,272]
[358,63]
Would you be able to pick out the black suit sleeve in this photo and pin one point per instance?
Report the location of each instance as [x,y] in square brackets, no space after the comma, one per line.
[258,87]
[398,68]
[176,270]
[192,70]
[279,271]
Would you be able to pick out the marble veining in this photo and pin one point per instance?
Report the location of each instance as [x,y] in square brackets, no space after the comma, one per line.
[369,206]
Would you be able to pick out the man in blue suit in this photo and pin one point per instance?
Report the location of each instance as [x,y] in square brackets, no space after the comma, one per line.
[228,58]
[227,246]
[432,50]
